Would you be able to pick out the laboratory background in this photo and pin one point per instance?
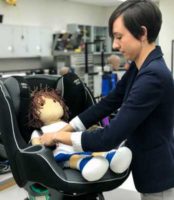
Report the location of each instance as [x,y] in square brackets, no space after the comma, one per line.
[54,37]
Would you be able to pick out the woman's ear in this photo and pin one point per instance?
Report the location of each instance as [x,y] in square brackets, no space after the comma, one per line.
[143,36]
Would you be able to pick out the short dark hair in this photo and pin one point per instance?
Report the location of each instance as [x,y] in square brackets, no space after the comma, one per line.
[138,13]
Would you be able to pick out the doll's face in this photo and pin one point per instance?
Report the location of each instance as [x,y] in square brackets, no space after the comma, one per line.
[50,111]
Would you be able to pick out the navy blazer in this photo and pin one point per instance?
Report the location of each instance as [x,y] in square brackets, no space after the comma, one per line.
[145,103]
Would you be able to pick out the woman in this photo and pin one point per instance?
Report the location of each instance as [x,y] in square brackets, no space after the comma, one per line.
[144,98]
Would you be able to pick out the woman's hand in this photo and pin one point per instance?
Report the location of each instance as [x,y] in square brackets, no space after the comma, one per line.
[49,139]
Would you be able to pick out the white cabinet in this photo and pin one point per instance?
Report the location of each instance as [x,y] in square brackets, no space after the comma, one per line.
[6,41]
[46,42]
[24,41]
[40,40]
[20,42]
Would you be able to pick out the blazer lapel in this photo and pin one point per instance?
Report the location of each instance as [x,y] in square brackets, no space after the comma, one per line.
[156,53]
[133,74]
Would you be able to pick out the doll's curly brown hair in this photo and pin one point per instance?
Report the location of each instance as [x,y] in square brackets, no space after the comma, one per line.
[36,103]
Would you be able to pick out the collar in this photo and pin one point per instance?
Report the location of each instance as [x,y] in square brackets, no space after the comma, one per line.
[155,54]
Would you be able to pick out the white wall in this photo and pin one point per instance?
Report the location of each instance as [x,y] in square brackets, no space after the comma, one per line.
[57,13]
[167,30]
[52,13]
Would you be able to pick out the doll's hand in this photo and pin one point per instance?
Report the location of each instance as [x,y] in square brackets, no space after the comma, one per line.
[35,141]
[35,138]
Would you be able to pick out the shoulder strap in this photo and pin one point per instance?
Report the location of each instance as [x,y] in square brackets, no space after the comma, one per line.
[24,88]
[23,107]
[74,94]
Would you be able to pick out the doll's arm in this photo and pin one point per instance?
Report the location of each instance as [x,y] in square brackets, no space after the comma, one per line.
[35,137]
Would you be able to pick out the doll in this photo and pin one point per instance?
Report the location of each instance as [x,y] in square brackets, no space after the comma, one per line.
[48,113]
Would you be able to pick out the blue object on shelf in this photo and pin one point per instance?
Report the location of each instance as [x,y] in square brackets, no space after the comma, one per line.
[109,82]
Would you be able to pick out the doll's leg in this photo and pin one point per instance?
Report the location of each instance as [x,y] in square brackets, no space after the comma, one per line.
[119,160]
[61,156]
[92,168]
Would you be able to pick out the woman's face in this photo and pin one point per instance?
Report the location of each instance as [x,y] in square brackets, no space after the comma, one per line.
[125,42]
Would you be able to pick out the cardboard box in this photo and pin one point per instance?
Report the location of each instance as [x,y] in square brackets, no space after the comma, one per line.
[6,181]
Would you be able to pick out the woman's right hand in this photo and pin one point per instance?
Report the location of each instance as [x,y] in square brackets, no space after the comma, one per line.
[67,128]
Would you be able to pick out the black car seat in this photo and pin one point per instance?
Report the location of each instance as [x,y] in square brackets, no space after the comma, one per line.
[36,164]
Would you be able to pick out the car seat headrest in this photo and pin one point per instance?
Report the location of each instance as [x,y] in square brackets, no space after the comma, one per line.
[42,81]
[13,89]
[73,93]
[19,92]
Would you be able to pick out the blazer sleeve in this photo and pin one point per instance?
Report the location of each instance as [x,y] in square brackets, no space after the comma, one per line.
[106,106]
[143,97]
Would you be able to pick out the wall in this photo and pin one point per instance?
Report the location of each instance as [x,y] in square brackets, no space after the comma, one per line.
[51,13]
[57,13]
[167,30]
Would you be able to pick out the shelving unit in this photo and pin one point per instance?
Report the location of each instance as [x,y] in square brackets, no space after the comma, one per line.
[92,33]
[101,33]
[98,48]
[85,30]
[77,62]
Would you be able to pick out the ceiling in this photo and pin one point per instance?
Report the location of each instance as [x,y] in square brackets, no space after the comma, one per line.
[99,2]
[106,3]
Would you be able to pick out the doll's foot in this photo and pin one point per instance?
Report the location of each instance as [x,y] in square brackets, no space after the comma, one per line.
[95,168]
[121,160]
